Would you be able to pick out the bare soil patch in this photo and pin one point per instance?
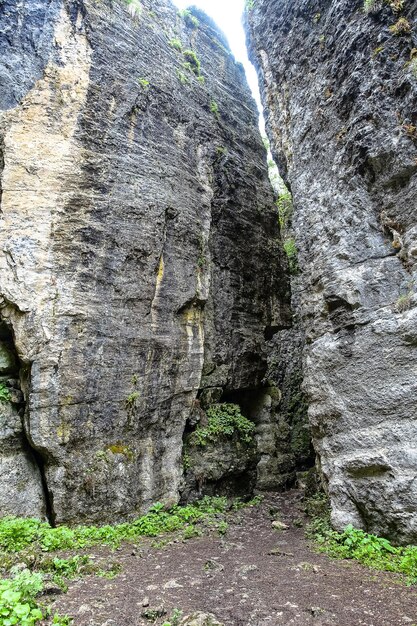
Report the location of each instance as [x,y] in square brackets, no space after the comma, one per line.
[254,575]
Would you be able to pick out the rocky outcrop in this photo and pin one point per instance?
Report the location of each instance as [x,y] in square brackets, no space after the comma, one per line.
[340,90]
[140,263]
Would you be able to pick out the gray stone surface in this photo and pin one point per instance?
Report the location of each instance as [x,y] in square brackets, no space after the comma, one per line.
[340,97]
[138,244]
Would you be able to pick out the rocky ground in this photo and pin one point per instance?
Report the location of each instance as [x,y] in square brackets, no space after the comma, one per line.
[253,575]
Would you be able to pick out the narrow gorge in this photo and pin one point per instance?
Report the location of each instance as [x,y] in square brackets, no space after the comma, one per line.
[171,327]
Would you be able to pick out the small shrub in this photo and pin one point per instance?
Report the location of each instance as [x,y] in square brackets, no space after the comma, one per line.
[224,421]
[4,393]
[193,62]
[182,77]
[176,43]
[401,27]
[290,250]
[17,599]
[403,303]
[214,108]
[285,209]
[130,401]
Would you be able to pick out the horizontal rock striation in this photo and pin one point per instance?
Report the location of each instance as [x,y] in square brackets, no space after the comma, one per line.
[340,90]
[139,257]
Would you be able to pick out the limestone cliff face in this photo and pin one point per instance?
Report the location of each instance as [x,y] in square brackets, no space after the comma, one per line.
[138,249]
[340,90]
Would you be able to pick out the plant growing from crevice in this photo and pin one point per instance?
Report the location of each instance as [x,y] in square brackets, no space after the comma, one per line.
[192,62]
[285,209]
[143,82]
[401,27]
[224,420]
[182,77]
[214,108]
[176,44]
[189,18]
[5,395]
[290,250]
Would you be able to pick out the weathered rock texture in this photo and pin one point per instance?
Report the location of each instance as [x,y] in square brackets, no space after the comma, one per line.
[340,94]
[139,249]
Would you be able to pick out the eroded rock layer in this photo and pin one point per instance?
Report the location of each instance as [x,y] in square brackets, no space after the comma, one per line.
[139,249]
[340,90]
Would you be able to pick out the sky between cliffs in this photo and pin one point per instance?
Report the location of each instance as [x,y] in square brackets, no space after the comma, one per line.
[228,15]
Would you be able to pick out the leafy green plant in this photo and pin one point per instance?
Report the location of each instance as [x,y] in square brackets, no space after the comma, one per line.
[290,250]
[4,393]
[224,420]
[285,209]
[368,549]
[214,108]
[17,534]
[18,599]
[249,5]
[143,82]
[66,568]
[130,401]
[176,44]
[182,77]
[193,62]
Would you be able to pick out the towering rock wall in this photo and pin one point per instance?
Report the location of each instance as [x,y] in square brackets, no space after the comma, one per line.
[138,250]
[340,90]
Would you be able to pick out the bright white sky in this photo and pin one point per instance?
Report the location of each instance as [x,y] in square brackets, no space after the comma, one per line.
[228,15]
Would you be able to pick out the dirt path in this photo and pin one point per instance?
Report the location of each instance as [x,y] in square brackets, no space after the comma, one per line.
[252,576]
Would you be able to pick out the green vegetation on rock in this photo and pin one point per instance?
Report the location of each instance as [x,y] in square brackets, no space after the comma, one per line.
[368,549]
[176,44]
[4,393]
[224,420]
[192,62]
[290,250]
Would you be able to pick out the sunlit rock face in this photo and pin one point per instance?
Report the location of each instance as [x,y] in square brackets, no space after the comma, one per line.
[139,249]
[340,90]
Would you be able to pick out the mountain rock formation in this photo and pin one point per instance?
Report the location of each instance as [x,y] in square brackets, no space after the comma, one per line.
[140,264]
[339,85]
